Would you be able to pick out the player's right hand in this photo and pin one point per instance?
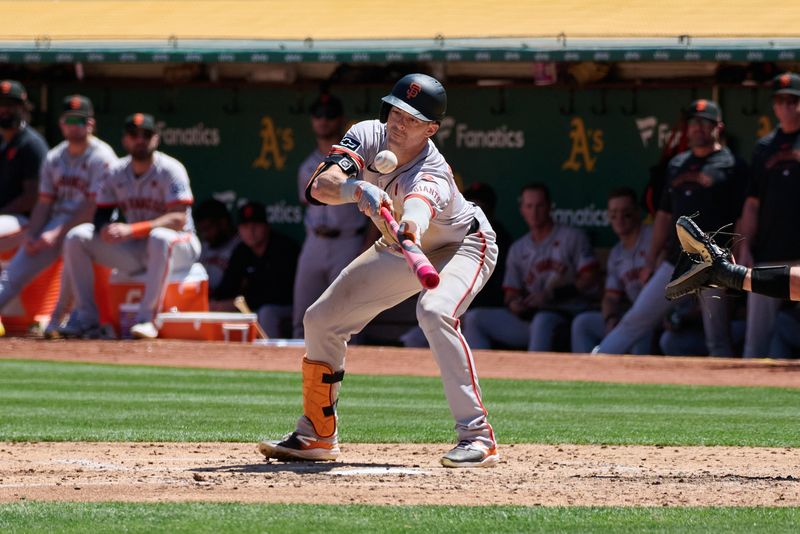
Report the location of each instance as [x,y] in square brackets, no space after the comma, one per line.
[370,198]
[115,232]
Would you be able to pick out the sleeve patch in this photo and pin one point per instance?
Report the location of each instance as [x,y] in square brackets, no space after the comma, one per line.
[349,142]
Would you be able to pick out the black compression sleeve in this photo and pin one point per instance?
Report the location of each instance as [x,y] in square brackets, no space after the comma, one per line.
[771,281]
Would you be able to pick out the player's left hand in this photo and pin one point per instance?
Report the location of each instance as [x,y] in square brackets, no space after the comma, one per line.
[370,198]
[116,232]
[47,240]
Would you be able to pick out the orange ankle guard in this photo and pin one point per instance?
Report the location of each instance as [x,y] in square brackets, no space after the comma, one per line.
[319,396]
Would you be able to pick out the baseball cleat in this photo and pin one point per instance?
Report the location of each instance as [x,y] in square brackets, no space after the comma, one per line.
[471,454]
[72,328]
[296,447]
[144,331]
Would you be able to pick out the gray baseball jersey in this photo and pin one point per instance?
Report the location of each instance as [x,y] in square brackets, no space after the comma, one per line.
[624,265]
[533,267]
[459,242]
[67,181]
[144,198]
[334,237]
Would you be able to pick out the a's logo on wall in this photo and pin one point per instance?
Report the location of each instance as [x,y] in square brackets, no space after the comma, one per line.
[413,90]
[585,145]
[764,126]
[276,143]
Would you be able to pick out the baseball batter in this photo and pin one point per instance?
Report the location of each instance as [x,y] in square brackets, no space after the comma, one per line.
[453,233]
[334,233]
[549,273]
[152,192]
[71,171]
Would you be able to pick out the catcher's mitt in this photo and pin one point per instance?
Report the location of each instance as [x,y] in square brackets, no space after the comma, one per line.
[705,263]
[691,274]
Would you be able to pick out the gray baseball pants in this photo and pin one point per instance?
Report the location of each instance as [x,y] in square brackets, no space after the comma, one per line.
[163,252]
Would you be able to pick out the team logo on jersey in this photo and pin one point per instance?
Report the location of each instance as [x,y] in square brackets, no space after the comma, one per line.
[349,142]
[413,91]
[177,188]
[276,143]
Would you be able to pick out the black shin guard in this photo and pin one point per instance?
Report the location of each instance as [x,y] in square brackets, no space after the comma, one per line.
[771,281]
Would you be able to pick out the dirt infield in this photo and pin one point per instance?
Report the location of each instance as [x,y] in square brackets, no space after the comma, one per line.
[408,474]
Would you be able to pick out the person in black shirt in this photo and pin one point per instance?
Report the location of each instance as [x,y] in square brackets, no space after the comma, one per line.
[22,151]
[707,180]
[770,215]
[262,269]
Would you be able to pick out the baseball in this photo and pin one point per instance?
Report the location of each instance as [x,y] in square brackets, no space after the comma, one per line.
[385,162]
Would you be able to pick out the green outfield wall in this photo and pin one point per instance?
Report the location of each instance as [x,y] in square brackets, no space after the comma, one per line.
[247,142]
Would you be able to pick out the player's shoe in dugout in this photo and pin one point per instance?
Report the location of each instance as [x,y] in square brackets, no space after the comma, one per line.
[296,446]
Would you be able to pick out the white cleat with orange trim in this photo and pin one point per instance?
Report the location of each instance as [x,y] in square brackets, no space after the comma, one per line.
[471,454]
[296,447]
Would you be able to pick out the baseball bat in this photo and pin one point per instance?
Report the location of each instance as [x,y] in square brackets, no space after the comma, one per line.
[242,306]
[415,258]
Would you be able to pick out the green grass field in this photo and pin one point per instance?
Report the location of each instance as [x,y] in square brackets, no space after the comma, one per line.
[41,401]
[236,518]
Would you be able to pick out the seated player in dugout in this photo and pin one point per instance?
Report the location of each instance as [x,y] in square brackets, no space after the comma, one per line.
[453,233]
[622,285]
[72,170]
[218,237]
[151,191]
[262,270]
[551,275]
[22,151]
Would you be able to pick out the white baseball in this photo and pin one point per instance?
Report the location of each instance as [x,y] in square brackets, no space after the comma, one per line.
[385,162]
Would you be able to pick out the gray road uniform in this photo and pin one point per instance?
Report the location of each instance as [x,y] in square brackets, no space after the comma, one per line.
[164,186]
[532,268]
[622,279]
[68,182]
[459,242]
[334,237]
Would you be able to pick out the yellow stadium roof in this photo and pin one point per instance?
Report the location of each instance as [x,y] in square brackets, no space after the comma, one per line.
[406,19]
[311,27]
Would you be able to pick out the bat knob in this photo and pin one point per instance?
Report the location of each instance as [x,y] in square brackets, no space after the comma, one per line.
[429,277]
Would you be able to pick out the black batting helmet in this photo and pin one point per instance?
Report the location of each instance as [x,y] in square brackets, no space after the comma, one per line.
[419,95]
